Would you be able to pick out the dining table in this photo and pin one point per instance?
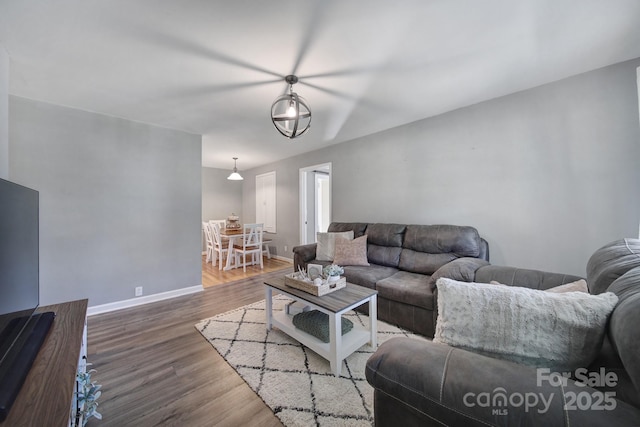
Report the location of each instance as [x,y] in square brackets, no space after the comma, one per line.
[232,236]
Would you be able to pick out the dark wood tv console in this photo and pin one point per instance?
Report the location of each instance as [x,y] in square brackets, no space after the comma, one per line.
[47,395]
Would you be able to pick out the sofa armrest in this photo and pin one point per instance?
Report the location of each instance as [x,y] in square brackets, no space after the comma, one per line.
[452,386]
[302,255]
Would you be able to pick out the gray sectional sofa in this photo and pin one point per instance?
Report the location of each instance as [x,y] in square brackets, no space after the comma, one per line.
[403,259]
[424,383]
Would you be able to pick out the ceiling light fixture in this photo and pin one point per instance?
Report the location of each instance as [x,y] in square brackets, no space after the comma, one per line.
[290,113]
[235,176]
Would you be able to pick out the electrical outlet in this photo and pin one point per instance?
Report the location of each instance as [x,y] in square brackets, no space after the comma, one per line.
[138,291]
[285,248]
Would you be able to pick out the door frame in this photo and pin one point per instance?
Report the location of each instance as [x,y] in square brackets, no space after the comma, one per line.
[305,174]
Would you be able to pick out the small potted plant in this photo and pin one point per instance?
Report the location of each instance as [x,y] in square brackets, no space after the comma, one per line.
[333,272]
[87,396]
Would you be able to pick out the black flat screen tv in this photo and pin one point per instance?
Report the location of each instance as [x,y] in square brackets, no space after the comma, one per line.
[21,331]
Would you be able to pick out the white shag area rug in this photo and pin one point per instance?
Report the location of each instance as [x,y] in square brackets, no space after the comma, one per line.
[291,379]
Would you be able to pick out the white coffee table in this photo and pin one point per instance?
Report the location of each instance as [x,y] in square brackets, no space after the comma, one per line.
[335,305]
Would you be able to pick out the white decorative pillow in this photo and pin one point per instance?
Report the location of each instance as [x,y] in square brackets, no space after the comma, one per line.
[541,329]
[327,242]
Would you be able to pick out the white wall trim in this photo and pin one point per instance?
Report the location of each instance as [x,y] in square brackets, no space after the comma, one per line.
[118,305]
[281,258]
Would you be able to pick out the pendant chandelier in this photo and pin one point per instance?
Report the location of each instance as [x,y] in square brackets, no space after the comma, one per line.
[235,176]
[290,113]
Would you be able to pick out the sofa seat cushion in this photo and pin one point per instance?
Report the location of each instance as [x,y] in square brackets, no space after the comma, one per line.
[407,288]
[367,276]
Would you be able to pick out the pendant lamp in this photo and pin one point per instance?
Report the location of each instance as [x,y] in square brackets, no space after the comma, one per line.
[290,113]
[235,176]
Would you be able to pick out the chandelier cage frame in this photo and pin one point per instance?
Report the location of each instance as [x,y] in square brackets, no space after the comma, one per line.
[290,113]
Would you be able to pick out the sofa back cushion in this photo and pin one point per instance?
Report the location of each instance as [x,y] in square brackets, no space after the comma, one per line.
[428,247]
[610,262]
[522,277]
[358,228]
[385,243]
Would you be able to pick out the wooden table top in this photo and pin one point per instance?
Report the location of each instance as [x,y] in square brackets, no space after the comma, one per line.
[231,231]
[335,301]
[45,396]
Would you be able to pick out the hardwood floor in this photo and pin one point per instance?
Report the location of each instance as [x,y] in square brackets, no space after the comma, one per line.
[214,276]
[156,369]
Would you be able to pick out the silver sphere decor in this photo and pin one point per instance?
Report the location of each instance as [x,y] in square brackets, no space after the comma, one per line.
[290,113]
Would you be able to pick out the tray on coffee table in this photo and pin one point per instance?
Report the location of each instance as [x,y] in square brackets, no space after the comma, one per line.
[325,288]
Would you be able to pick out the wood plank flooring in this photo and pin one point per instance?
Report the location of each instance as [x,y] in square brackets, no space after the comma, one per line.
[214,276]
[157,370]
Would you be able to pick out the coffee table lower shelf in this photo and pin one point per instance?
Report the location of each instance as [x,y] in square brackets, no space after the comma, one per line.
[334,305]
[351,341]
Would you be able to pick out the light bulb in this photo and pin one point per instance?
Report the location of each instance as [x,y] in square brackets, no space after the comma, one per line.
[291,111]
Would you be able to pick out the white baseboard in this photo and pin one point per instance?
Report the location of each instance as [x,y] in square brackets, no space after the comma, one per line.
[118,305]
[133,302]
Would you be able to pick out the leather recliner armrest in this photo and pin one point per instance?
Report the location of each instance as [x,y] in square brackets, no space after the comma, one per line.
[459,387]
[302,254]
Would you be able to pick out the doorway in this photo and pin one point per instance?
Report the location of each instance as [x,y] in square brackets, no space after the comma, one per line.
[315,201]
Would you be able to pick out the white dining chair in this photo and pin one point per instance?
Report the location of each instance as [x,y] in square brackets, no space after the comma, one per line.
[251,245]
[208,239]
[220,248]
[265,247]
[221,222]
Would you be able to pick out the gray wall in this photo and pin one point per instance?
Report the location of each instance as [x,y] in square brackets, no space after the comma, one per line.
[547,175]
[287,201]
[120,202]
[4,113]
[220,197]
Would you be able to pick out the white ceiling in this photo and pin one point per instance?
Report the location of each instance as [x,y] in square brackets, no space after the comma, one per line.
[214,67]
